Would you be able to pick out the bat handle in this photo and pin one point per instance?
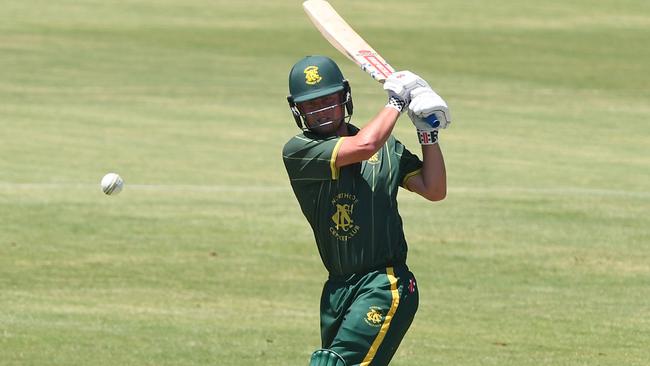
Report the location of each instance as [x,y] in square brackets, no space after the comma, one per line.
[432,120]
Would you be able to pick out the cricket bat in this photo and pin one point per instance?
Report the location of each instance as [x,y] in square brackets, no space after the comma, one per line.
[341,35]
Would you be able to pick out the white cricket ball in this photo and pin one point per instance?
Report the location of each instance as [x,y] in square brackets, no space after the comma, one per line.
[112,183]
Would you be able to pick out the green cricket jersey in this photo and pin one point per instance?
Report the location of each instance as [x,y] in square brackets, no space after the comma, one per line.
[352,210]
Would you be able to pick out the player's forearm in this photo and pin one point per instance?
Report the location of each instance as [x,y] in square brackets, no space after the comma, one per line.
[377,131]
[368,140]
[434,175]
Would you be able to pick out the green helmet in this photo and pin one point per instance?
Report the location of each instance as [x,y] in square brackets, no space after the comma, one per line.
[314,77]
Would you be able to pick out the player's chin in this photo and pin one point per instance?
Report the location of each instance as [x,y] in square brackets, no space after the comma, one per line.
[327,129]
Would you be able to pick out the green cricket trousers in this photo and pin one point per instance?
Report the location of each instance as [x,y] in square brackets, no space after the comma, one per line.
[365,316]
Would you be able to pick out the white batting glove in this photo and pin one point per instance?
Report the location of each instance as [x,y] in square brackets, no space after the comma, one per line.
[400,84]
[425,103]
[429,113]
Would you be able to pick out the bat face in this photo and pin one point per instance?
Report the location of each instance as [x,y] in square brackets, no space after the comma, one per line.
[341,35]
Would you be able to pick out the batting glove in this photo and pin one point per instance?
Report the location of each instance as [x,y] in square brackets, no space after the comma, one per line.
[429,113]
[399,86]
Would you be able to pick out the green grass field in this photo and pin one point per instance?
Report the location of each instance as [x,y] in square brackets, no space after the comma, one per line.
[540,255]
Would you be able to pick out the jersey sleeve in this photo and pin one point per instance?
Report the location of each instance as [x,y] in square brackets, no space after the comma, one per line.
[409,163]
[310,159]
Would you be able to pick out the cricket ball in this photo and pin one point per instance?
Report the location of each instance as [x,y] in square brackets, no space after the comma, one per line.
[112,183]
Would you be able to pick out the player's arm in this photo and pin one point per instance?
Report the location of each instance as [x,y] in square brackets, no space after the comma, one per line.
[368,140]
[373,136]
[431,182]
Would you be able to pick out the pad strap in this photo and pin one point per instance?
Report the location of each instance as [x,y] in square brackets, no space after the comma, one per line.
[326,357]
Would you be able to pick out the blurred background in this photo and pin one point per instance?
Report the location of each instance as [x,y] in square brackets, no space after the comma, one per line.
[538,256]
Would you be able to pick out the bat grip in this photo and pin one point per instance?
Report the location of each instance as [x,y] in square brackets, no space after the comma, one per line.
[432,120]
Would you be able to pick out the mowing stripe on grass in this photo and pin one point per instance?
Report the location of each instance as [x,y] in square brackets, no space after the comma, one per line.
[556,191]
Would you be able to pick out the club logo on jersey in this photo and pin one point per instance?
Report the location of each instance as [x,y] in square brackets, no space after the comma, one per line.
[374,159]
[311,75]
[343,227]
[374,317]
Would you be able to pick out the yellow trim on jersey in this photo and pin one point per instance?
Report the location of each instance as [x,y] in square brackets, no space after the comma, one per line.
[384,327]
[335,170]
[409,176]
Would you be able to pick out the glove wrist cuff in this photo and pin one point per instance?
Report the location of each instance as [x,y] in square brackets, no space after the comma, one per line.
[396,103]
[428,137]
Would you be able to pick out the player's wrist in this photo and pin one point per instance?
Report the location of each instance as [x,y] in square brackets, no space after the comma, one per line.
[396,103]
[428,137]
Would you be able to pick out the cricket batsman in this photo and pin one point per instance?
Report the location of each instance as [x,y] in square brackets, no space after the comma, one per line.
[346,181]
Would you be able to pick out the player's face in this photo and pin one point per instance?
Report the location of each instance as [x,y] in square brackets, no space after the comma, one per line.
[325,114]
